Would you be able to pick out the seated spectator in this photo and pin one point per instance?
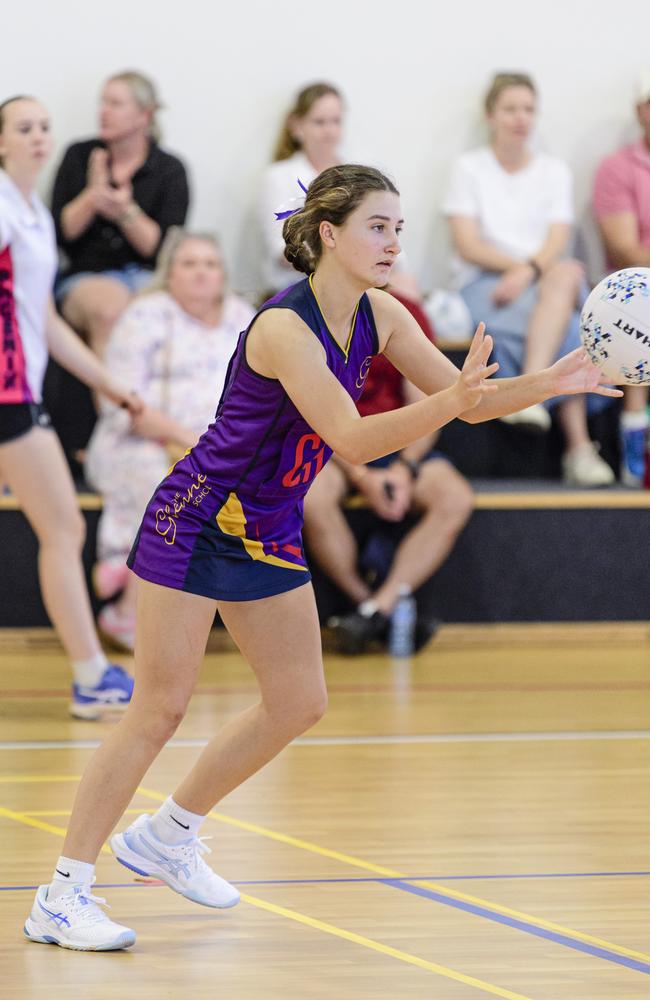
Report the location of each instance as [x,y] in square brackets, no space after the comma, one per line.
[114,198]
[621,200]
[175,343]
[419,479]
[309,142]
[510,214]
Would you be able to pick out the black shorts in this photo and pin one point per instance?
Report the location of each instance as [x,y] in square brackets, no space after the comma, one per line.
[17,419]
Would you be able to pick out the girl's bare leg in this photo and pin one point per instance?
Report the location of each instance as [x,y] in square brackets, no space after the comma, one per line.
[172,632]
[280,638]
[35,468]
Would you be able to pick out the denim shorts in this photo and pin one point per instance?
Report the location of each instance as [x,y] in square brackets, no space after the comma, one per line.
[134,277]
[508,324]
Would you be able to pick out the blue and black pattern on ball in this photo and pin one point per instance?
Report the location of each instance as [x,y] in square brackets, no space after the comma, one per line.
[594,339]
[624,285]
[637,374]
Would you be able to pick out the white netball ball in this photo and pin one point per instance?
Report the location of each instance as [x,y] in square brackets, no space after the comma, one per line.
[615,326]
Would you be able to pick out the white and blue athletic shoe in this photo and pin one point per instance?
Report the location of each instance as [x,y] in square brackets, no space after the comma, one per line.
[75,920]
[113,692]
[180,866]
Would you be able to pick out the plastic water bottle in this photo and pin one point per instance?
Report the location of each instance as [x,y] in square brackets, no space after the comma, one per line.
[402,625]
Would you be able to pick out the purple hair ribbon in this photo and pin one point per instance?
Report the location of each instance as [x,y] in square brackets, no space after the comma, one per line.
[284,214]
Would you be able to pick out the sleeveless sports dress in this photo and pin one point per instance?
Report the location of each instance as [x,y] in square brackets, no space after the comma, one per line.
[27,268]
[226,522]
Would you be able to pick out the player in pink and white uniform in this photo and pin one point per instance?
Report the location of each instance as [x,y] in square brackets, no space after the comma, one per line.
[31,458]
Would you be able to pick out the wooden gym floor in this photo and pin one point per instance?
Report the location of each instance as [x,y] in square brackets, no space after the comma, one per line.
[474,823]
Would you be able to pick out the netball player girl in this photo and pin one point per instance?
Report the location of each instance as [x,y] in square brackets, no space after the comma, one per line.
[31,458]
[222,532]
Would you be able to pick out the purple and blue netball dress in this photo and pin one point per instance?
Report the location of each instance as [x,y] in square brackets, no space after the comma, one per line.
[226,522]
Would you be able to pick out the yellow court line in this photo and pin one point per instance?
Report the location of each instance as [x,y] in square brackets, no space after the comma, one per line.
[355,862]
[390,873]
[302,918]
[384,949]
[29,821]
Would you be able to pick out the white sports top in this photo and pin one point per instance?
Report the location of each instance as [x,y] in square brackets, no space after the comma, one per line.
[28,261]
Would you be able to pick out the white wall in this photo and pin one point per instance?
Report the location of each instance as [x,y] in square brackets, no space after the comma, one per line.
[413,74]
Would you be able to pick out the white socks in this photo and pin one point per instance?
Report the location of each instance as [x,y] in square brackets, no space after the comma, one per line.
[69,873]
[634,420]
[89,672]
[173,825]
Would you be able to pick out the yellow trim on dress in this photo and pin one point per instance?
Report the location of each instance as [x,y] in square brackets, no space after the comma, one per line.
[346,349]
[232,521]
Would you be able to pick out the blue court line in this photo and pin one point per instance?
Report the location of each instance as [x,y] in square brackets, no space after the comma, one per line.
[375,878]
[522,925]
[404,885]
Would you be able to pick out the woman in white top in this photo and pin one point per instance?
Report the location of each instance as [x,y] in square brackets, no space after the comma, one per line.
[174,345]
[309,142]
[510,214]
[31,458]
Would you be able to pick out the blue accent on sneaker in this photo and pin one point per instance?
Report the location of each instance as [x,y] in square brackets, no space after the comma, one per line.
[633,443]
[45,939]
[126,864]
[59,919]
[173,865]
[114,688]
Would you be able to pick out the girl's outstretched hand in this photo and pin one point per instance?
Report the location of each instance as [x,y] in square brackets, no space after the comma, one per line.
[121,394]
[473,382]
[576,373]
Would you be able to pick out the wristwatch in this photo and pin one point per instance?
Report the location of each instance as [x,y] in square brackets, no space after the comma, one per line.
[411,465]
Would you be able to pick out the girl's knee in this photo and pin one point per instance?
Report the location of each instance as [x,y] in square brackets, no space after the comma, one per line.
[565,273]
[311,710]
[302,713]
[157,722]
[67,531]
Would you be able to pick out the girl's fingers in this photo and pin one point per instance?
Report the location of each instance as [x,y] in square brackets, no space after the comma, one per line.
[477,341]
[486,348]
[604,390]
[604,379]
[481,371]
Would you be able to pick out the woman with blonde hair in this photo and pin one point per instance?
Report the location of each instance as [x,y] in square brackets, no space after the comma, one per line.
[174,343]
[309,142]
[510,213]
[114,198]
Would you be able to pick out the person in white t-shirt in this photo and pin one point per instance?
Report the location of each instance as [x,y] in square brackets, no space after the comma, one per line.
[174,343]
[309,142]
[510,213]
[31,458]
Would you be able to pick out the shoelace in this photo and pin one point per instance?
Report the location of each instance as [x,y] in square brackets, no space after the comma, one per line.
[91,915]
[194,850]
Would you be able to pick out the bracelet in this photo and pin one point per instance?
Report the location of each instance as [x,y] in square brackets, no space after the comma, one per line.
[131,212]
[537,271]
[411,465]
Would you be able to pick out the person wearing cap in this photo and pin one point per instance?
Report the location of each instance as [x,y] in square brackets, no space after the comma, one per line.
[621,203]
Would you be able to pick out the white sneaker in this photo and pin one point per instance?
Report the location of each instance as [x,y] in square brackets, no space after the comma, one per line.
[535,419]
[75,920]
[583,466]
[179,865]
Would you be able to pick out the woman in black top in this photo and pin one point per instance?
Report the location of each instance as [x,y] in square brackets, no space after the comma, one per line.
[114,198]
